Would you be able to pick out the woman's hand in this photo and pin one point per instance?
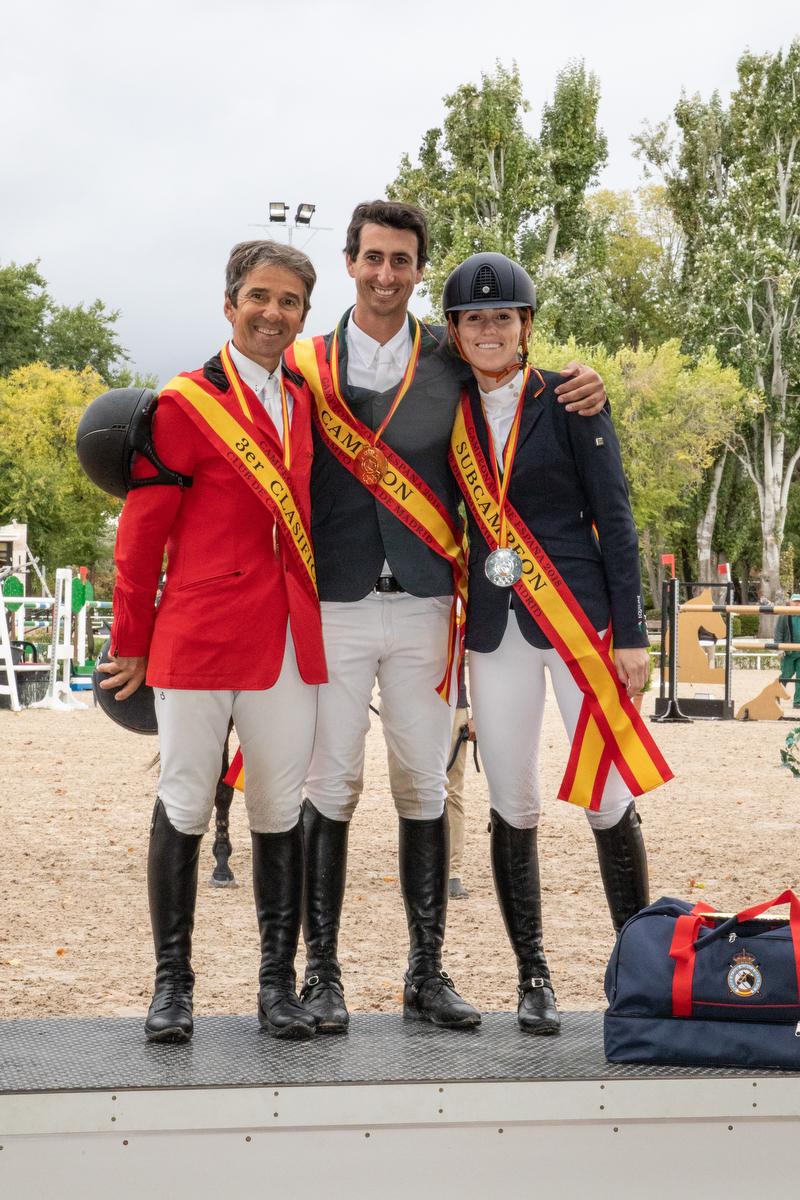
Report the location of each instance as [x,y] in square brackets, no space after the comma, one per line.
[632,665]
[583,391]
[127,674]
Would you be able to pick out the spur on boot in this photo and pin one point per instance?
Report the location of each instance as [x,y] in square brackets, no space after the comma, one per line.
[515,867]
[536,1011]
[429,993]
[325,844]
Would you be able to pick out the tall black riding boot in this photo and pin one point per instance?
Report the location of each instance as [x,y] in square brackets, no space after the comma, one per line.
[325,873]
[429,993]
[278,889]
[515,866]
[172,860]
[623,866]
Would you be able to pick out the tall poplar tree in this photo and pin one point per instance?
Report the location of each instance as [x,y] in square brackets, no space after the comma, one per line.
[733,182]
[486,183]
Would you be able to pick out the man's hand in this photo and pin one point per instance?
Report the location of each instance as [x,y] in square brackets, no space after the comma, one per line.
[632,667]
[127,674]
[471,734]
[583,391]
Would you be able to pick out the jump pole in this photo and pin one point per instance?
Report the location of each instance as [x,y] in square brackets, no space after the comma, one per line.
[668,708]
[9,688]
[769,610]
[740,644]
[669,629]
[59,695]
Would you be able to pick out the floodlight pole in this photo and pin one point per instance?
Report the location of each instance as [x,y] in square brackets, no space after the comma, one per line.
[291,226]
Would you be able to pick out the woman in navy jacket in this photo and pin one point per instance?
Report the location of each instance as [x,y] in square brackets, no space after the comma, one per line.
[565,479]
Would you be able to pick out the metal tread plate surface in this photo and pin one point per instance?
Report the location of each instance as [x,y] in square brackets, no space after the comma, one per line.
[96,1054]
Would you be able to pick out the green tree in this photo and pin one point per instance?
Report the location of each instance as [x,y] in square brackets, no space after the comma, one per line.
[487,184]
[733,182]
[670,415]
[84,336]
[619,282]
[23,307]
[35,329]
[574,150]
[41,481]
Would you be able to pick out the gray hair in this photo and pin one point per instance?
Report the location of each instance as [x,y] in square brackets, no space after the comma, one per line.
[245,256]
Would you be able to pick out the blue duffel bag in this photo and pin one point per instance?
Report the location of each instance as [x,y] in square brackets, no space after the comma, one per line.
[691,987]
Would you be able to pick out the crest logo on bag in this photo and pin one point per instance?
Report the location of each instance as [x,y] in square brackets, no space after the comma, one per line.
[744,976]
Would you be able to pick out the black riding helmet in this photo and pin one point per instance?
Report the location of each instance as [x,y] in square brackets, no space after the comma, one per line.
[137,713]
[488,280]
[114,427]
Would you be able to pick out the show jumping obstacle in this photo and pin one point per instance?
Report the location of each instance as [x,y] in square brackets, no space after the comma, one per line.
[675,631]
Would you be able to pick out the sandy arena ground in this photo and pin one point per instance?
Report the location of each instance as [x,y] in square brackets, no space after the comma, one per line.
[77,796]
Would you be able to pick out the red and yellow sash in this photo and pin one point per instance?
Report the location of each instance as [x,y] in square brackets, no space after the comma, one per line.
[609,729]
[243,444]
[401,490]
[245,447]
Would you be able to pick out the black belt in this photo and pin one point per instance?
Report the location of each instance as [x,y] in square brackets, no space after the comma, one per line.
[388,583]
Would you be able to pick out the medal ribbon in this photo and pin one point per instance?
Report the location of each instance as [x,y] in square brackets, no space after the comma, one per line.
[405,382]
[244,446]
[610,729]
[401,490]
[509,451]
[232,376]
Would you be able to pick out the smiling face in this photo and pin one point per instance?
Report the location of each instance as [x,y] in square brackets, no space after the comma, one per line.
[490,338]
[268,314]
[385,272]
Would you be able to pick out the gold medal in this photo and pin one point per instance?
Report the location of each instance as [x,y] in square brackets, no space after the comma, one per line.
[369,465]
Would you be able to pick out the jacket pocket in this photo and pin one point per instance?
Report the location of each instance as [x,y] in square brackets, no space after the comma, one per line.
[209,579]
[571,547]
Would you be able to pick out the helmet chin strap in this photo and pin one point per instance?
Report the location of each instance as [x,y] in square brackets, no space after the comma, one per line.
[518,364]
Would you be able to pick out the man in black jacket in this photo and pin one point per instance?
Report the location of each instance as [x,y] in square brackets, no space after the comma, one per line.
[386,602]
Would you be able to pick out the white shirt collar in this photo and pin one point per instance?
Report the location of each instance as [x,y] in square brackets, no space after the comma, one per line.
[500,397]
[366,349]
[254,375]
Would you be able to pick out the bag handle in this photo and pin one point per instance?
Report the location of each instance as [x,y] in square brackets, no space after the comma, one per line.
[686,944]
[682,951]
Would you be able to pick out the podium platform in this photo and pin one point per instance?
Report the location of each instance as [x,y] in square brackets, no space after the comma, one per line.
[396,1108]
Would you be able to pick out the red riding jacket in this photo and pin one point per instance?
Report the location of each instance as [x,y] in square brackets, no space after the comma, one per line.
[229,598]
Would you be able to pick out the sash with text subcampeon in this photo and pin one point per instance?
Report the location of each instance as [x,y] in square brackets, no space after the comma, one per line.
[609,728]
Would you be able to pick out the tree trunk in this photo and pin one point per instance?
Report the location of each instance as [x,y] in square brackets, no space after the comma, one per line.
[550,250]
[706,565]
[653,576]
[770,589]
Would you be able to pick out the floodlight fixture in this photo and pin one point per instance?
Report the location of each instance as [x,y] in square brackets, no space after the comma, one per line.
[278,211]
[304,214]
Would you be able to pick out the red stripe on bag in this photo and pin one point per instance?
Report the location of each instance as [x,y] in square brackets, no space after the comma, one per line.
[787,897]
[684,954]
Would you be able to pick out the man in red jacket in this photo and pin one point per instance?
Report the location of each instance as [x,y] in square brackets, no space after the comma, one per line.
[238,547]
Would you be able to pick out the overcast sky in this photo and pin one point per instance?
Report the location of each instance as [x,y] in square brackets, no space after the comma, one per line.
[139,142]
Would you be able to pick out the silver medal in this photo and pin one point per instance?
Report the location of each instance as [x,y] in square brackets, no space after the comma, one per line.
[503,568]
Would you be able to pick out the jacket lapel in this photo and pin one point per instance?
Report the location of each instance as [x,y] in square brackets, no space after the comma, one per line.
[533,407]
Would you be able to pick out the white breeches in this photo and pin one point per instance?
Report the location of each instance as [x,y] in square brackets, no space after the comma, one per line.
[400,640]
[507,689]
[276,732]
